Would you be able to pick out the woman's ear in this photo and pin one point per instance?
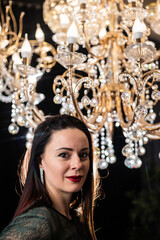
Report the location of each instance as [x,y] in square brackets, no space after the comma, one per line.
[40,162]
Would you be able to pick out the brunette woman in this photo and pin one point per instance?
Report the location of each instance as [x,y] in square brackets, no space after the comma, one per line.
[57,201]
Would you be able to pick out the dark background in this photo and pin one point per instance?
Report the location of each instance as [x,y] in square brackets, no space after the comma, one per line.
[130,208]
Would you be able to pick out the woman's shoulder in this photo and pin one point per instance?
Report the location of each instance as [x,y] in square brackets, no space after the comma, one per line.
[33,223]
[41,211]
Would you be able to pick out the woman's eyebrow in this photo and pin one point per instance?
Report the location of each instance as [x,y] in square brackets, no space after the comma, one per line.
[64,148]
[70,149]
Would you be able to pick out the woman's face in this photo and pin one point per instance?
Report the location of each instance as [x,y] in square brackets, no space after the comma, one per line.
[65,161]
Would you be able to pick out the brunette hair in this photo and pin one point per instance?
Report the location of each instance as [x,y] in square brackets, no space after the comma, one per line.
[34,189]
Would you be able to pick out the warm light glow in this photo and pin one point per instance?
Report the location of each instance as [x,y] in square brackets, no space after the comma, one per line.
[72,33]
[138,28]
[4,43]
[26,50]
[102,32]
[39,33]
[64,19]
[16,58]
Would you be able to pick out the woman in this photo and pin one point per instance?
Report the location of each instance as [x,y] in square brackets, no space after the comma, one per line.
[60,188]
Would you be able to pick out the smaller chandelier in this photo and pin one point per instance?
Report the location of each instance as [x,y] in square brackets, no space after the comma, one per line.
[18,79]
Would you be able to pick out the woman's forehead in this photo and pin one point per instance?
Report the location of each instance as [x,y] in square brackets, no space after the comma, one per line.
[69,136]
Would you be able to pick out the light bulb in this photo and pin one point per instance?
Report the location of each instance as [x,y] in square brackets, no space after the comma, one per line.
[64,19]
[16,58]
[26,50]
[102,32]
[39,34]
[138,29]
[72,33]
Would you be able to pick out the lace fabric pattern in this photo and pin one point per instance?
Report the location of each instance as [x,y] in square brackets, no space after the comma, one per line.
[44,223]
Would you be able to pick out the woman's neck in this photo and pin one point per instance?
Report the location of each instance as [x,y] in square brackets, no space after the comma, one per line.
[61,202]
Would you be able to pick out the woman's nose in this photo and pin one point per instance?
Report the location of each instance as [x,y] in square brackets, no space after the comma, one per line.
[76,162]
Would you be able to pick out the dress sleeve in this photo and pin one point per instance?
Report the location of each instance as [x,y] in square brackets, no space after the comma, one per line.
[32,225]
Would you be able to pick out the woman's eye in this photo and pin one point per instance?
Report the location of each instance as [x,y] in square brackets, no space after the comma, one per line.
[84,155]
[63,155]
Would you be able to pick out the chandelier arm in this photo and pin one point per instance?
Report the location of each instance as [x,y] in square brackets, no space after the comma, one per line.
[42,55]
[26,89]
[98,110]
[128,112]
[119,111]
[53,52]
[150,72]
[13,17]
[16,97]
[7,19]
[92,54]
[121,5]
[65,73]
[147,126]
[153,135]
[152,60]
[31,122]
[147,76]
[110,129]
[37,113]
[20,27]
[129,38]
[2,15]
[12,48]
[78,111]
[88,46]
[91,65]
[99,125]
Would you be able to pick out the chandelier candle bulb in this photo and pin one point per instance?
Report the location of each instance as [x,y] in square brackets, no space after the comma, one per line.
[39,34]
[102,32]
[138,29]
[26,50]
[72,34]
[16,58]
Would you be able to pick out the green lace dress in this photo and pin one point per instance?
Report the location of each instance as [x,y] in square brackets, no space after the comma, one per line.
[44,223]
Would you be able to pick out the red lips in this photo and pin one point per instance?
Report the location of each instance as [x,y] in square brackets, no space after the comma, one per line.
[75,178]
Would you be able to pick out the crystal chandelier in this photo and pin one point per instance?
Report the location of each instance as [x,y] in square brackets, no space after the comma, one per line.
[18,79]
[112,76]
[112,71]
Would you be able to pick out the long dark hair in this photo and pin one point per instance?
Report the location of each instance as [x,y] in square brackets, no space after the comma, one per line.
[33,188]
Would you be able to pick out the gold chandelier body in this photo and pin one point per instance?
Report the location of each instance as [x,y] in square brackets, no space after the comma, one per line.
[117,83]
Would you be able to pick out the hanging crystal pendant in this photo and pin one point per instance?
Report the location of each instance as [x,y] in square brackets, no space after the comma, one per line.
[133,162]
[13,128]
[141,111]
[127,150]
[102,164]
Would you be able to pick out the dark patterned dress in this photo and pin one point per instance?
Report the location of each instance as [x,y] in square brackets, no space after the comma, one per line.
[44,223]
